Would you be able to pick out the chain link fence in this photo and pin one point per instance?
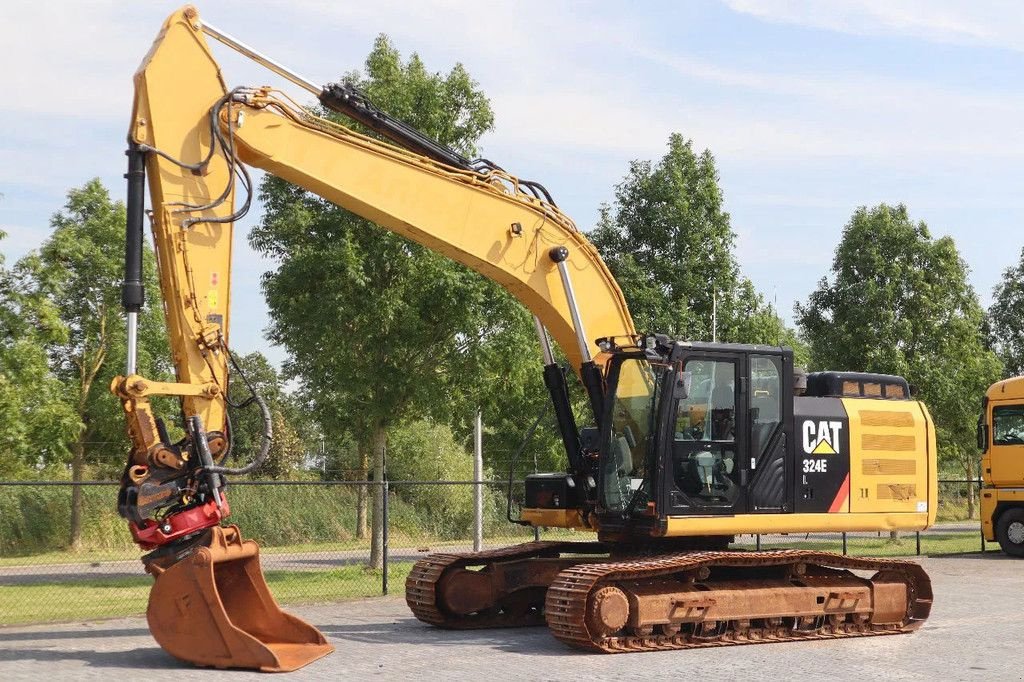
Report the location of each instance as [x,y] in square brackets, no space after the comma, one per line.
[313,544]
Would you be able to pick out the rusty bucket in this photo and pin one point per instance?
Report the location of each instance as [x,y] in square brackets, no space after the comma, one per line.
[213,608]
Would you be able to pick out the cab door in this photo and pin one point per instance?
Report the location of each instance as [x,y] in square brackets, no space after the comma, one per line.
[708,466]
[770,416]
[1006,457]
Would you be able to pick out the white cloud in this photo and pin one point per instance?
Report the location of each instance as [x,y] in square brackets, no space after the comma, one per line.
[995,23]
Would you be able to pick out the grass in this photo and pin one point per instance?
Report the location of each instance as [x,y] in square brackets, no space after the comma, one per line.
[132,553]
[931,544]
[96,598]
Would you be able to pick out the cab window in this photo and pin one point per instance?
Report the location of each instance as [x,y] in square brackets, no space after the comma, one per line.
[708,413]
[1008,425]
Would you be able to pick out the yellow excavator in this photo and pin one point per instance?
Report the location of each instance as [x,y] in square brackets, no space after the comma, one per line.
[688,444]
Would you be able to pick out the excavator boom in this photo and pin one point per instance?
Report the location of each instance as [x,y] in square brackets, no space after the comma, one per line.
[193,138]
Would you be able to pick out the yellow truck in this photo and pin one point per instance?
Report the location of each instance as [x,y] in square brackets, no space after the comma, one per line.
[1001,440]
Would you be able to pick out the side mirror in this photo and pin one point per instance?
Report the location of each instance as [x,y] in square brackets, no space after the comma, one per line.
[682,388]
[982,434]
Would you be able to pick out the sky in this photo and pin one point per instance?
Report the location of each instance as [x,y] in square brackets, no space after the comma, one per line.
[811,109]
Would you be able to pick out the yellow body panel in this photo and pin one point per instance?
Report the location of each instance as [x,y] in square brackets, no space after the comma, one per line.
[554,518]
[1008,389]
[793,523]
[990,498]
[1003,465]
[893,465]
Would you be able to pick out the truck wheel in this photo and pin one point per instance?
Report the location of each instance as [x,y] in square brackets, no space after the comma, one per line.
[1010,531]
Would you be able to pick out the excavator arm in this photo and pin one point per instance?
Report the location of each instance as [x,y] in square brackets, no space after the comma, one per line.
[193,138]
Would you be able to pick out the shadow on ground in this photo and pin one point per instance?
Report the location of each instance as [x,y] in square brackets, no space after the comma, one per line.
[535,641]
[149,658]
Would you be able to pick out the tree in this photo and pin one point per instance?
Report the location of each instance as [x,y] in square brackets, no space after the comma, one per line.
[1007,318]
[899,303]
[426,451]
[78,270]
[291,431]
[669,243]
[380,329]
[35,420]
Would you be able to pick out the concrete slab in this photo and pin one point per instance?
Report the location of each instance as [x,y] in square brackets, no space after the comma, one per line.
[974,633]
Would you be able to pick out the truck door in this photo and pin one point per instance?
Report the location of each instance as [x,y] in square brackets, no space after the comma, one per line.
[1007,454]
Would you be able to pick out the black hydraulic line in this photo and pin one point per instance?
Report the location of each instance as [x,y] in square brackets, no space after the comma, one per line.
[267,437]
[349,100]
[554,379]
[592,381]
[132,292]
[202,449]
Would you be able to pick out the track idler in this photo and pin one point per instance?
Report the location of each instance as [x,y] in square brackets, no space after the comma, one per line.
[212,607]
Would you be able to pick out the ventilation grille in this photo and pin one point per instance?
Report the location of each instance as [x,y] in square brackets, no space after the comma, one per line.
[891,467]
[874,441]
[885,418]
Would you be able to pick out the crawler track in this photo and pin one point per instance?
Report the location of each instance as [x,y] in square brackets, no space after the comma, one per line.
[580,575]
[422,585]
[573,592]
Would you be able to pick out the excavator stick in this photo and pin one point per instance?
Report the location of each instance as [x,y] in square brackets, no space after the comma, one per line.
[213,608]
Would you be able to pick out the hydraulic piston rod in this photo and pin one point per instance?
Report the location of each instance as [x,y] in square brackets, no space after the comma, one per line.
[260,58]
[132,293]
[589,372]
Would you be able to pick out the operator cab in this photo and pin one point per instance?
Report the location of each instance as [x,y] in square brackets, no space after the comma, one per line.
[696,428]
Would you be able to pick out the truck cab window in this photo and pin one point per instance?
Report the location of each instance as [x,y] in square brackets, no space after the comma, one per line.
[1008,425]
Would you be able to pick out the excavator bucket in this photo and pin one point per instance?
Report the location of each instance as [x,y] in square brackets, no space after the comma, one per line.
[213,608]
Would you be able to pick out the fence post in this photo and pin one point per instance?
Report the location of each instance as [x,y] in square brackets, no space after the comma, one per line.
[918,534]
[478,480]
[757,542]
[387,522]
[844,543]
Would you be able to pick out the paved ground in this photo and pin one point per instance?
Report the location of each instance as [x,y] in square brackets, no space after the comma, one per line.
[974,633]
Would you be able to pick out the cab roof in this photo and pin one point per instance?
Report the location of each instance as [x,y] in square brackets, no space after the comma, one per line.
[1007,389]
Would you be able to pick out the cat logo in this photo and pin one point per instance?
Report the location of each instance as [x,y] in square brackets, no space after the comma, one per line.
[821,437]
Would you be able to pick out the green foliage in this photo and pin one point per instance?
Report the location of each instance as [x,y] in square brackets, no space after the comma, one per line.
[378,328]
[669,244]
[899,303]
[36,422]
[36,519]
[77,272]
[294,434]
[426,451]
[1007,318]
